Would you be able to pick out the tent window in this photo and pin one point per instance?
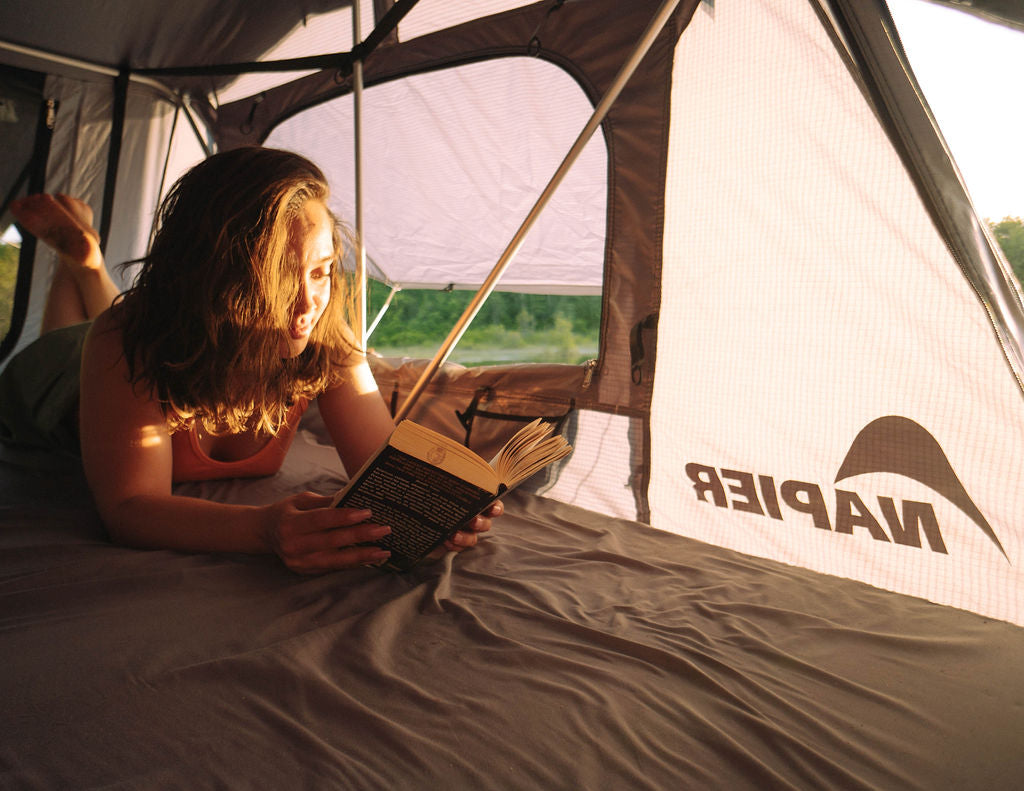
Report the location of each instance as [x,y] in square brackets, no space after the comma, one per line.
[454,160]
[10,248]
[25,123]
[510,328]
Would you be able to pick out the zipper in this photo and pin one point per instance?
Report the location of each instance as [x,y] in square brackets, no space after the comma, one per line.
[589,367]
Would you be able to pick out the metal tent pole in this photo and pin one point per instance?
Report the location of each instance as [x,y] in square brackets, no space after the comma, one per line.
[66,64]
[357,121]
[661,17]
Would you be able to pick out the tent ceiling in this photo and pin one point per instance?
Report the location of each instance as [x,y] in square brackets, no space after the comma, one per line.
[158,34]
[155,33]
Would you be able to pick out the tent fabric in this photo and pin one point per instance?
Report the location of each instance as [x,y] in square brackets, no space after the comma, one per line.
[882,329]
[78,164]
[1000,12]
[568,650]
[450,187]
[157,35]
[235,31]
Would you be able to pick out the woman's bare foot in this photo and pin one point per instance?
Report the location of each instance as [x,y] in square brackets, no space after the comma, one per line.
[64,224]
[81,287]
[81,211]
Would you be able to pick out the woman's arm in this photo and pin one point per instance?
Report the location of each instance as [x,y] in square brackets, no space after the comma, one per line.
[356,417]
[126,452]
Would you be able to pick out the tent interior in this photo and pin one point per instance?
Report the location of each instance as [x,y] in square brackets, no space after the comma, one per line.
[786,550]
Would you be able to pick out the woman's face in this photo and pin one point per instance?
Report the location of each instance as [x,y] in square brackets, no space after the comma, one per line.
[312,234]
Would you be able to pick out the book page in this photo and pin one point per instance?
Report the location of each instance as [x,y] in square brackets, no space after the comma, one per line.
[531,449]
[444,452]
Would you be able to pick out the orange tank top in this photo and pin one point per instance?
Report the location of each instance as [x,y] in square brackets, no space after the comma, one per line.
[191,463]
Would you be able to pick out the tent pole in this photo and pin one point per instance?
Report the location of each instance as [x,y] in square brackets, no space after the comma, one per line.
[184,104]
[63,65]
[357,132]
[659,21]
[383,310]
[119,112]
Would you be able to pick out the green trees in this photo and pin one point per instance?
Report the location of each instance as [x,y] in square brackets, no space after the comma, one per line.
[509,326]
[1009,232]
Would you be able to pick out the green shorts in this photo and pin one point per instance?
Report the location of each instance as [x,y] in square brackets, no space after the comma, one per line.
[39,392]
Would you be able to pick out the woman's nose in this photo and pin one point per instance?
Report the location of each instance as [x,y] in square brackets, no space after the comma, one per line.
[304,303]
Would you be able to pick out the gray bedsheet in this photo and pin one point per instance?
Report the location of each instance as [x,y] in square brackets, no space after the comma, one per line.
[569,650]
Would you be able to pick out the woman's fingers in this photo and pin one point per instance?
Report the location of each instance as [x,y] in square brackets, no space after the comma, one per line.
[314,538]
[483,522]
[310,536]
[322,532]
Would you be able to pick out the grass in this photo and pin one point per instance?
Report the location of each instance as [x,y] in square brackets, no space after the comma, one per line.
[8,278]
[495,345]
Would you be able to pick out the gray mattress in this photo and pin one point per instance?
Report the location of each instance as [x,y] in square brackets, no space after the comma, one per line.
[569,650]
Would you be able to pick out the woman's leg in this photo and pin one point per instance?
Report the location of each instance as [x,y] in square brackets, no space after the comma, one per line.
[81,287]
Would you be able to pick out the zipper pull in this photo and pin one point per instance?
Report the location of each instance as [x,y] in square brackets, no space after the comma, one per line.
[588,372]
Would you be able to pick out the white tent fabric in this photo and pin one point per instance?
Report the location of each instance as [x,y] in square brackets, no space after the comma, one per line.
[81,135]
[459,158]
[810,295]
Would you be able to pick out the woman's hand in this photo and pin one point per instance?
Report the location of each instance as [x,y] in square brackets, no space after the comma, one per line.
[310,537]
[468,536]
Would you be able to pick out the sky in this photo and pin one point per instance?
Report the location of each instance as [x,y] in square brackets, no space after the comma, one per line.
[972,74]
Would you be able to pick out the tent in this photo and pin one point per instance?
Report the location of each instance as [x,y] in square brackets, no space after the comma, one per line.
[811,352]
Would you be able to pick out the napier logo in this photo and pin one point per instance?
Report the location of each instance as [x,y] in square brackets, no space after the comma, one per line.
[890,444]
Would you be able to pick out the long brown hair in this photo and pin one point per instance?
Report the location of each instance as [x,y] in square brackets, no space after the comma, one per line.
[203,321]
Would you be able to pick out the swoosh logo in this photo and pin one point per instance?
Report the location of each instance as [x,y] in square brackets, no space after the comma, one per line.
[899,445]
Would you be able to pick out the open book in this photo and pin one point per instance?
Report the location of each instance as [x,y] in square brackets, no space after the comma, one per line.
[426,486]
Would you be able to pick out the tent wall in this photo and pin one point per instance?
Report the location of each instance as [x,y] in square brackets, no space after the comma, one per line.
[78,166]
[25,134]
[446,191]
[831,390]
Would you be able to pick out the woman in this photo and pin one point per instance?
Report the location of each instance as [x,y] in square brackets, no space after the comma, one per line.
[203,368]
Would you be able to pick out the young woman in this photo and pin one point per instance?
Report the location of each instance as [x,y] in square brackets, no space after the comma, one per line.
[204,366]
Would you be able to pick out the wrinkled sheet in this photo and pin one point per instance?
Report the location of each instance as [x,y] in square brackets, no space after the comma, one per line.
[568,650]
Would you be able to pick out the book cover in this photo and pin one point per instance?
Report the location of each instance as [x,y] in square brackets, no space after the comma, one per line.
[426,486]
